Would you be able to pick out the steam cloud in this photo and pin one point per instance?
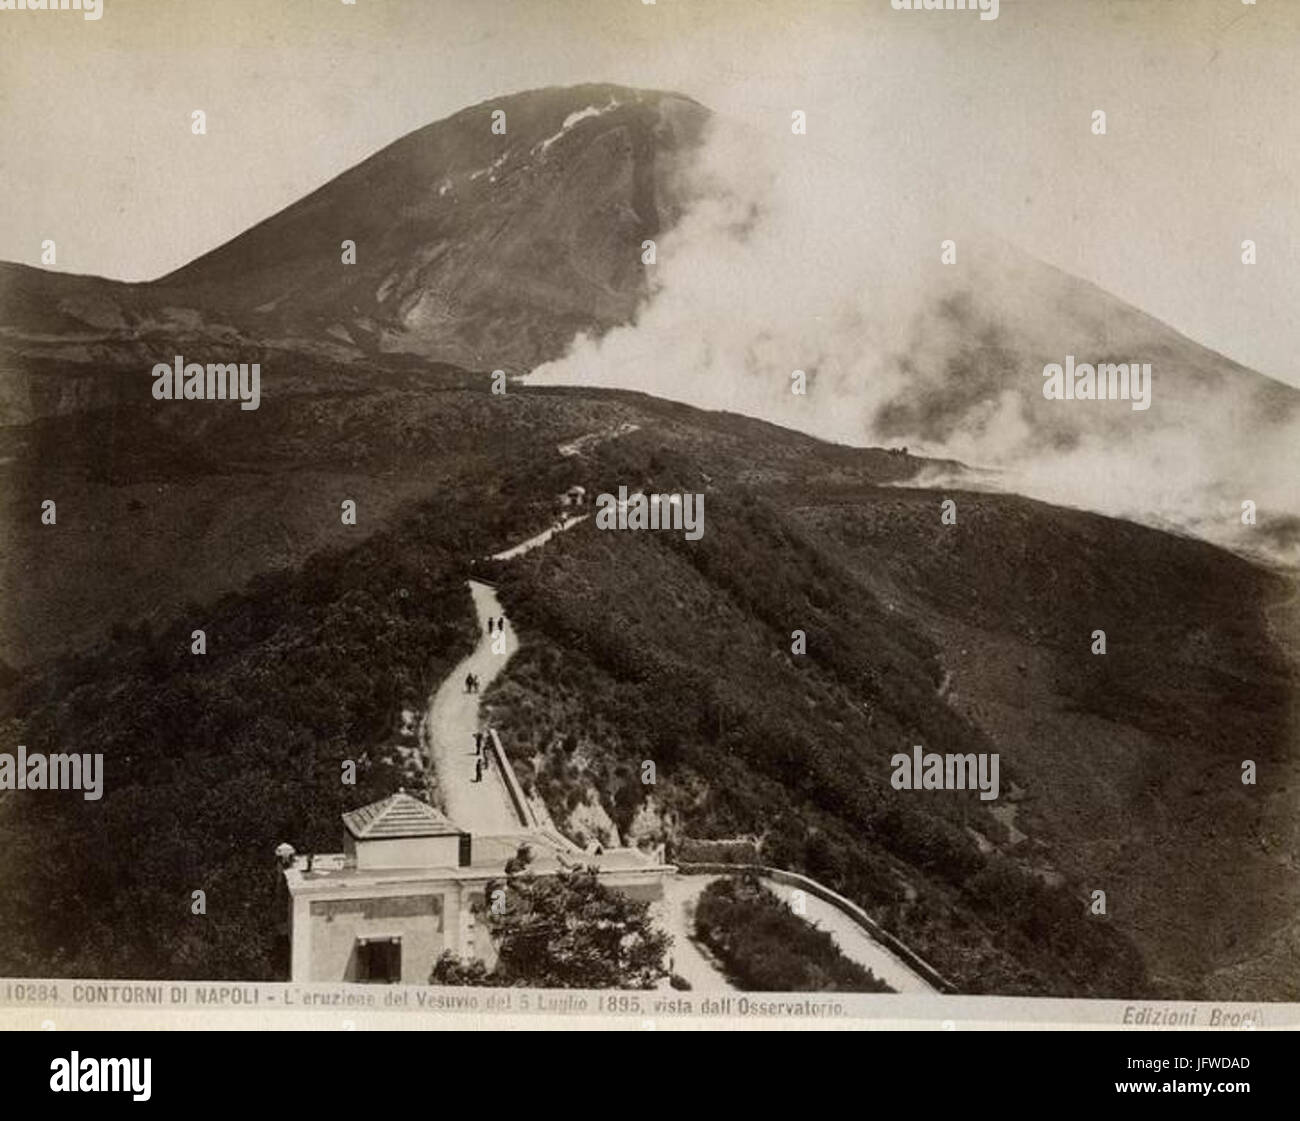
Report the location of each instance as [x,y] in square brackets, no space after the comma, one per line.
[827,260]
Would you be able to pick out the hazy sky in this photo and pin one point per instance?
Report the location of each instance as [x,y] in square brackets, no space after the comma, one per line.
[1202,99]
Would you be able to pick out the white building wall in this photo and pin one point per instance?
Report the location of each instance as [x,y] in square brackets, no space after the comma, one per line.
[408,852]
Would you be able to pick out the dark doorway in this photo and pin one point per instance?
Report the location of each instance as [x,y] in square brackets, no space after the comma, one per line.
[380,962]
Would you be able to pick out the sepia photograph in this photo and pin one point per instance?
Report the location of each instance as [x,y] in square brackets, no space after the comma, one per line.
[649,513]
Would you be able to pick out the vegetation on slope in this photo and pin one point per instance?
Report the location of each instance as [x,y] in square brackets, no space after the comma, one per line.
[637,647]
[765,947]
[566,931]
[212,760]
[643,647]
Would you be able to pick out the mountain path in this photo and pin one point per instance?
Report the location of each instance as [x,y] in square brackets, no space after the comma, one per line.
[452,719]
[675,913]
[485,807]
[854,942]
[453,715]
[540,539]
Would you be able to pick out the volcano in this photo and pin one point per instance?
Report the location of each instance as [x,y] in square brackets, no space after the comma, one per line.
[478,250]
[512,236]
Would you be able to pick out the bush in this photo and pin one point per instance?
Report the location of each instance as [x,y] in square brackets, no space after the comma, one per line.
[216,760]
[766,947]
[566,931]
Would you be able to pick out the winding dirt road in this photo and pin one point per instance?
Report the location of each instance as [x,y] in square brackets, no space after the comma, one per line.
[451,721]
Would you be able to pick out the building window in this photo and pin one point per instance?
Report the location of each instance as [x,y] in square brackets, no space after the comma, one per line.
[380,962]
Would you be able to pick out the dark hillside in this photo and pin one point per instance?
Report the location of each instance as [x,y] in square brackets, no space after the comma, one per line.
[1118,772]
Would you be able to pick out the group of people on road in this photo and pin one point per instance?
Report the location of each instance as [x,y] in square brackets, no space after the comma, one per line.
[481,754]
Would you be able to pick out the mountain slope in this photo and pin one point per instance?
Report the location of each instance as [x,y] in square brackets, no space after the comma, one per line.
[472,248]
[476,248]
[1121,771]
[521,250]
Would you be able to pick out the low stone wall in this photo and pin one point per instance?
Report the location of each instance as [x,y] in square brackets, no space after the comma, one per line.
[522,809]
[731,850]
[847,906]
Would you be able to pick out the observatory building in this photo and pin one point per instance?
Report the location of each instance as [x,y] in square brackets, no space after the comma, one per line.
[409,884]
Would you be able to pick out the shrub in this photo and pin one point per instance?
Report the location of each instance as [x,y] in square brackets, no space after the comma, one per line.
[766,947]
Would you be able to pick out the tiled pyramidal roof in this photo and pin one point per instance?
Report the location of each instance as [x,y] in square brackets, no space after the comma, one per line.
[398,815]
